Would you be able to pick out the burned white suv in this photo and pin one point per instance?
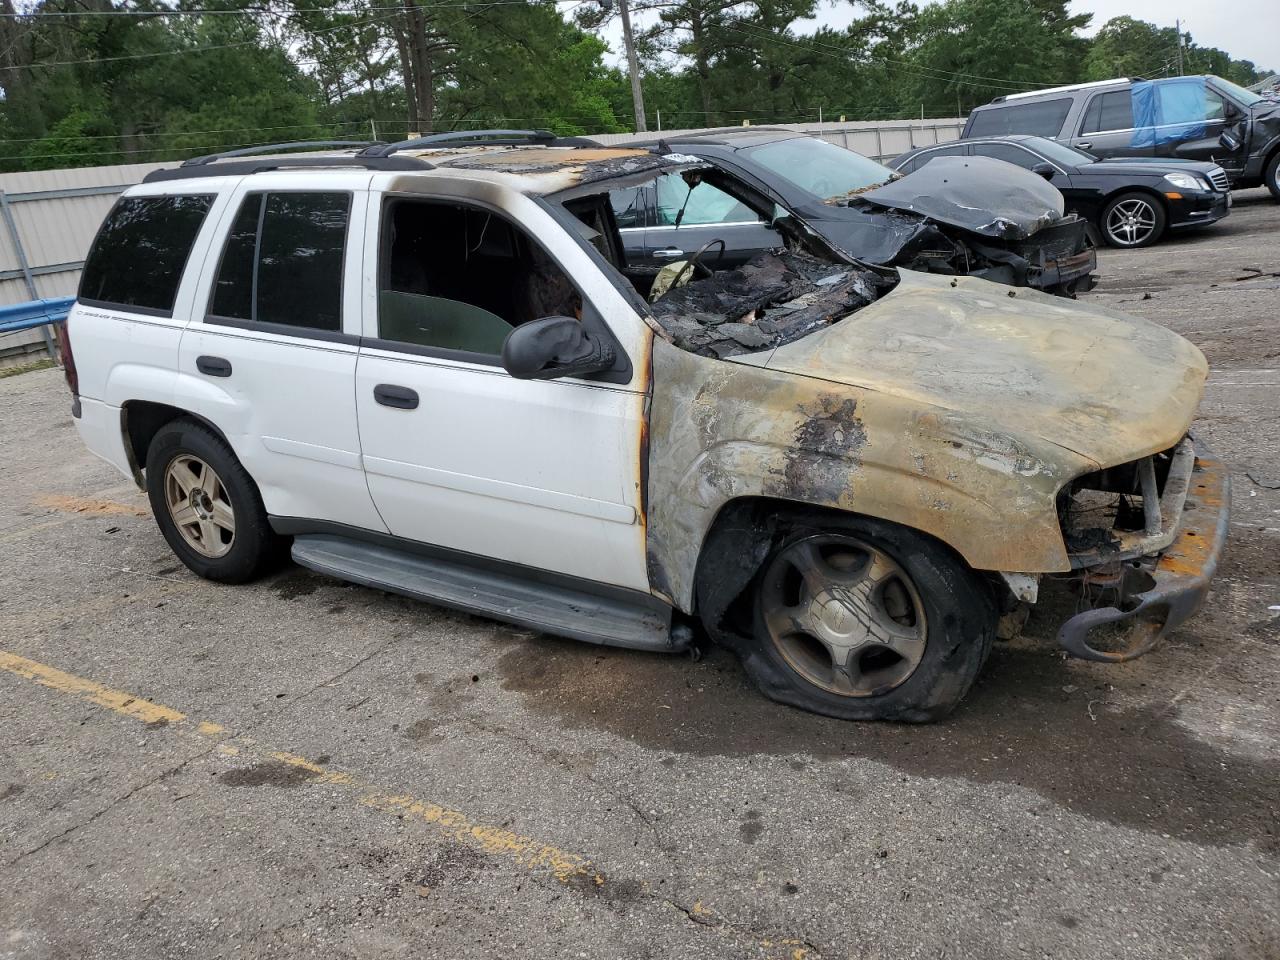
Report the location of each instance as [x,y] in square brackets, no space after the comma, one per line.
[429,367]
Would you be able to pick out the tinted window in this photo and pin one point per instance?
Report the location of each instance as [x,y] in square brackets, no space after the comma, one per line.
[1007,153]
[282,262]
[1109,111]
[629,206]
[1042,118]
[956,151]
[140,252]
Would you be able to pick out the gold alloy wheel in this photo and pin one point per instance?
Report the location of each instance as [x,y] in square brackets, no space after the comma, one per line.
[844,615]
[199,506]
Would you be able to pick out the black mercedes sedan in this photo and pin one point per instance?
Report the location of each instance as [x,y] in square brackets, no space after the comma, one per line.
[1132,201]
[975,219]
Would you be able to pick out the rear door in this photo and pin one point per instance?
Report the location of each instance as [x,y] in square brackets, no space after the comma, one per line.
[270,357]
[705,214]
[1106,127]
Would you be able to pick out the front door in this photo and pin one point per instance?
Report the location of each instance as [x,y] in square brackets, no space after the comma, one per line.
[459,454]
[272,359]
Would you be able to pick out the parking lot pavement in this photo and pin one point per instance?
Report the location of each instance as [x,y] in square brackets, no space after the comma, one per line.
[306,768]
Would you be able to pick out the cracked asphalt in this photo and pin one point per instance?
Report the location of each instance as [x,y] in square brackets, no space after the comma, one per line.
[303,768]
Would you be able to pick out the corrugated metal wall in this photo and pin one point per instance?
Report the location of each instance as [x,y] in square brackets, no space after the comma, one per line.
[54,214]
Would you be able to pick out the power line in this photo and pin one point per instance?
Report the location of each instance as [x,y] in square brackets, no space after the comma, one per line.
[185,50]
[247,11]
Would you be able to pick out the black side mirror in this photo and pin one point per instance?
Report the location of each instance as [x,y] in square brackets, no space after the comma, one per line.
[554,347]
[1046,170]
[1229,141]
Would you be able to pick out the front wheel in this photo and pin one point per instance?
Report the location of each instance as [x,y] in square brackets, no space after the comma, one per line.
[1133,220]
[864,620]
[206,504]
[1273,175]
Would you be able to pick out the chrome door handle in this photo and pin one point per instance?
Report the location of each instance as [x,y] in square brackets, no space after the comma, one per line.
[1084,144]
[670,253]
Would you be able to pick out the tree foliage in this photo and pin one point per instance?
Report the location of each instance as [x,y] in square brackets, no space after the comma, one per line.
[113,81]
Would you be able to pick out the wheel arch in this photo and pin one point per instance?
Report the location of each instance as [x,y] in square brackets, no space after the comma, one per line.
[742,534]
[141,420]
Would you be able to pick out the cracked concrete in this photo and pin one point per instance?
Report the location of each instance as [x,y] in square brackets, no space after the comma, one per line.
[1067,810]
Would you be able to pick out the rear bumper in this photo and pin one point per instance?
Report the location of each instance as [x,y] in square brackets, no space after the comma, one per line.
[100,428]
[1174,582]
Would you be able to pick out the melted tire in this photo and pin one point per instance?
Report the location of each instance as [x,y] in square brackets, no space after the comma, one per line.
[961,613]
[256,546]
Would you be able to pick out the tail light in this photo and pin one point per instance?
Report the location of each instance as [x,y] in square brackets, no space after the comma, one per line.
[63,335]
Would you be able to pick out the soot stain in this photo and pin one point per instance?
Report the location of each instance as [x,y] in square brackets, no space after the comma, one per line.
[751,827]
[1133,767]
[269,773]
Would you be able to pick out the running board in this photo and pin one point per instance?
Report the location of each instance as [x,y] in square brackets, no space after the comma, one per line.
[549,608]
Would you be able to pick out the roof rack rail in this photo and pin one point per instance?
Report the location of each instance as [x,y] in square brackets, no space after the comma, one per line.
[488,138]
[242,168]
[277,148]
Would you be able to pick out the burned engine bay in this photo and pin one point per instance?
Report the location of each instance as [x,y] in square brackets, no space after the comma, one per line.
[774,299]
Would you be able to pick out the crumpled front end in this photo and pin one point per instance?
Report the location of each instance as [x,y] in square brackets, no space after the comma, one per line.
[1144,540]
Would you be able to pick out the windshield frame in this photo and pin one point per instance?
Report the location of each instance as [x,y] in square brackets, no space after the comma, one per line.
[857,170]
[1241,96]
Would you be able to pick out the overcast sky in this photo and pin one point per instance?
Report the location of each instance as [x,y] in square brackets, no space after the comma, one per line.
[1246,29]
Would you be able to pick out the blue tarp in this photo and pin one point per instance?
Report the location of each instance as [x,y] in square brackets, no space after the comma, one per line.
[1168,111]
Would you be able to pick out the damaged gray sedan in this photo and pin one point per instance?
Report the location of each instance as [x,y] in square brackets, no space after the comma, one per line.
[958,216]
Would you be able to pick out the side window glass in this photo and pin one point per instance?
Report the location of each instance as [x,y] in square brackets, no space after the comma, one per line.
[1213,106]
[1109,111]
[1015,155]
[460,278]
[1042,118]
[956,151]
[283,259]
[141,251]
[705,204]
[629,207]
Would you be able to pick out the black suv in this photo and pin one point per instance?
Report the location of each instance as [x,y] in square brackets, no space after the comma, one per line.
[1131,201]
[1187,118]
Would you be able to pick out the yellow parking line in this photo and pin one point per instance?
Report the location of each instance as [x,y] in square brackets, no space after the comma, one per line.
[95,693]
[452,824]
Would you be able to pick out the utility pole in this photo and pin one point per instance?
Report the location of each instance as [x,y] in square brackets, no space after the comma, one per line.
[1177,25]
[633,66]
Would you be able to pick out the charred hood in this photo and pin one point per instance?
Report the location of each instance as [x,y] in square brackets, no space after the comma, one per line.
[1101,384]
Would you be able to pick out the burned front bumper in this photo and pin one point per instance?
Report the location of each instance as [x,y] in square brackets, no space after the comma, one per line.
[1153,593]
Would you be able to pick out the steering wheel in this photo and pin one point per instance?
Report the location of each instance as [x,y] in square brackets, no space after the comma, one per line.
[695,263]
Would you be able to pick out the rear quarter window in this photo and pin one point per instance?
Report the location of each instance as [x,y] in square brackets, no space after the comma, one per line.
[141,250]
[1042,118]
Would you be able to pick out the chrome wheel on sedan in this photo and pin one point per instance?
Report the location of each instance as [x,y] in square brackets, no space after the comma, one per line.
[199,506]
[843,615]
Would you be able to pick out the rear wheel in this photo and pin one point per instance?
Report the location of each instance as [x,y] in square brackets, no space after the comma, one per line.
[206,504]
[864,620]
[1133,220]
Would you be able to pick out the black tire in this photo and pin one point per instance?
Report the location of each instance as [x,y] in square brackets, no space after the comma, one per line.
[959,623]
[253,547]
[1142,237]
[1272,175]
